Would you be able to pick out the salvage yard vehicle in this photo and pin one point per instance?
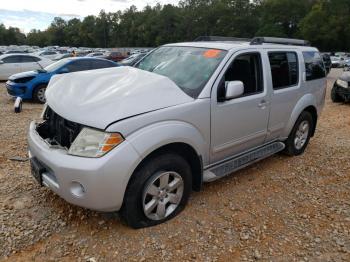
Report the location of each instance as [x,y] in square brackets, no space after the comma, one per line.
[341,89]
[32,84]
[337,62]
[16,63]
[139,140]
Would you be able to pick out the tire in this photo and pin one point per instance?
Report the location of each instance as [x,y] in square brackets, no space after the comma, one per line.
[145,188]
[336,98]
[294,148]
[39,94]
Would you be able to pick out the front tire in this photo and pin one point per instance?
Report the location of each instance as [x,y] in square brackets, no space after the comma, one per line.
[336,98]
[39,94]
[300,136]
[158,191]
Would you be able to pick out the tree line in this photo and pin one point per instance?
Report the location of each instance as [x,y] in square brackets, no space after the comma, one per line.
[326,23]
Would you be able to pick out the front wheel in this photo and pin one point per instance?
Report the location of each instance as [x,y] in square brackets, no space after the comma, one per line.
[157,191]
[300,136]
[39,94]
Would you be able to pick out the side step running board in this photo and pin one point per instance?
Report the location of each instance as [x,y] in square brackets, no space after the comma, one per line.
[241,161]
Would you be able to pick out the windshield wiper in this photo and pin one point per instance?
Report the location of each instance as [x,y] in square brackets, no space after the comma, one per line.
[41,71]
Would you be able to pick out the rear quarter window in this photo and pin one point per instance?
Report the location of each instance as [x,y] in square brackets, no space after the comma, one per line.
[314,66]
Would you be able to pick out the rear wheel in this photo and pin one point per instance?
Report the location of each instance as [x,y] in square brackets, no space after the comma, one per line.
[157,192]
[336,98]
[300,136]
[39,94]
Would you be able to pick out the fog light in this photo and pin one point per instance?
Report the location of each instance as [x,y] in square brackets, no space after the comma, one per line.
[77,189]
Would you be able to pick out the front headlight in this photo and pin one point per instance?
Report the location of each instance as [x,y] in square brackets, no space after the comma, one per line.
[342,83]
[94,143]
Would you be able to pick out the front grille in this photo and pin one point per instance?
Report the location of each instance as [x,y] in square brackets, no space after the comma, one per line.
[58,131]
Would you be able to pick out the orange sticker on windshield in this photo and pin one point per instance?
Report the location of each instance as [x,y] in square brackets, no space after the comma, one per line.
[212,53]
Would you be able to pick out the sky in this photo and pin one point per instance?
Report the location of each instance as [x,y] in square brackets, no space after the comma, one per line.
[38,14]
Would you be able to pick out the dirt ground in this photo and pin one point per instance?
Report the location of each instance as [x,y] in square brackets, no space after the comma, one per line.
[280,209]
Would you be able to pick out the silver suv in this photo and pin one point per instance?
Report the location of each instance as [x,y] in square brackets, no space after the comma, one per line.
[139,140]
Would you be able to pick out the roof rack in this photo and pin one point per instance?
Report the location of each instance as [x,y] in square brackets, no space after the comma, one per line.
[221,39]
[276,40]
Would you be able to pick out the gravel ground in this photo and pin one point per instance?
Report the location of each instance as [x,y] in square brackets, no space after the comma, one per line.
[280,209]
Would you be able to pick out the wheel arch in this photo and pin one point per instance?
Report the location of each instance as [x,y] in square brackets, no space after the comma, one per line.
[36,85]
[306,103]
[313,111]
[184,150]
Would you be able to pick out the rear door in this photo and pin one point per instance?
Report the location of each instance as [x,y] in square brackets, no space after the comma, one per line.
[29,63]
[285,81]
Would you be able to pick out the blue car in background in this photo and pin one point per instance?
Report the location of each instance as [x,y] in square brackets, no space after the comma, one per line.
[31,85]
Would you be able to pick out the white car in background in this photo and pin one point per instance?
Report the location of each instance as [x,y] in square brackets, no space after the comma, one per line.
[48,54]
[337,62]
[16,63]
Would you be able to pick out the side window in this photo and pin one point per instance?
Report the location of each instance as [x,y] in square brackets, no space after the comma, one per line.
[12,59]
[36,59]
[284,69]
[96,64]
[78,65]
[314,66]
[28,59]
[248,69]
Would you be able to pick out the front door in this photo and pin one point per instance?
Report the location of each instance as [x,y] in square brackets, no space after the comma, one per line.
[240,124]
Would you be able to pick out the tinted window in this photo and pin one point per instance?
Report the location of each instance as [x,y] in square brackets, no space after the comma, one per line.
[29,59]
[96,64]
[48,53]
[36,59]
[314,66]
[247,69]
[284,69]
[79,65]
[12,59]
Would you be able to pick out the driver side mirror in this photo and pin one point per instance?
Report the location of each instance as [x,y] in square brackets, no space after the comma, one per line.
[1,62]
[234,89]
[64,70]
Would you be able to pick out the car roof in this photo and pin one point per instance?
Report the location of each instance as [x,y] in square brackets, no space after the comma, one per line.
[231,45]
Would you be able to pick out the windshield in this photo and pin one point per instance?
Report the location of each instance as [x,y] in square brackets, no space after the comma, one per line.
[189,67]
[56,65]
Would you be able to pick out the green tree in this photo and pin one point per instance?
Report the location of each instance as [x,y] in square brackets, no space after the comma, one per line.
[328,25]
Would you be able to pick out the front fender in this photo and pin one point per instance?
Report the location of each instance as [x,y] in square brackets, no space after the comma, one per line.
[304,102]
[152,137]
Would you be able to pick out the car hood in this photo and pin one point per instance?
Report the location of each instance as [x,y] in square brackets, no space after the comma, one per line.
[97,98]
[23,74]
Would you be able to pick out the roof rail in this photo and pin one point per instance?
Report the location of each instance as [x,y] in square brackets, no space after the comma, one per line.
[276,40]
[221,39]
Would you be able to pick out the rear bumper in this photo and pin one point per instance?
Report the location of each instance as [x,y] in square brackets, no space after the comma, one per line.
[103,180]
